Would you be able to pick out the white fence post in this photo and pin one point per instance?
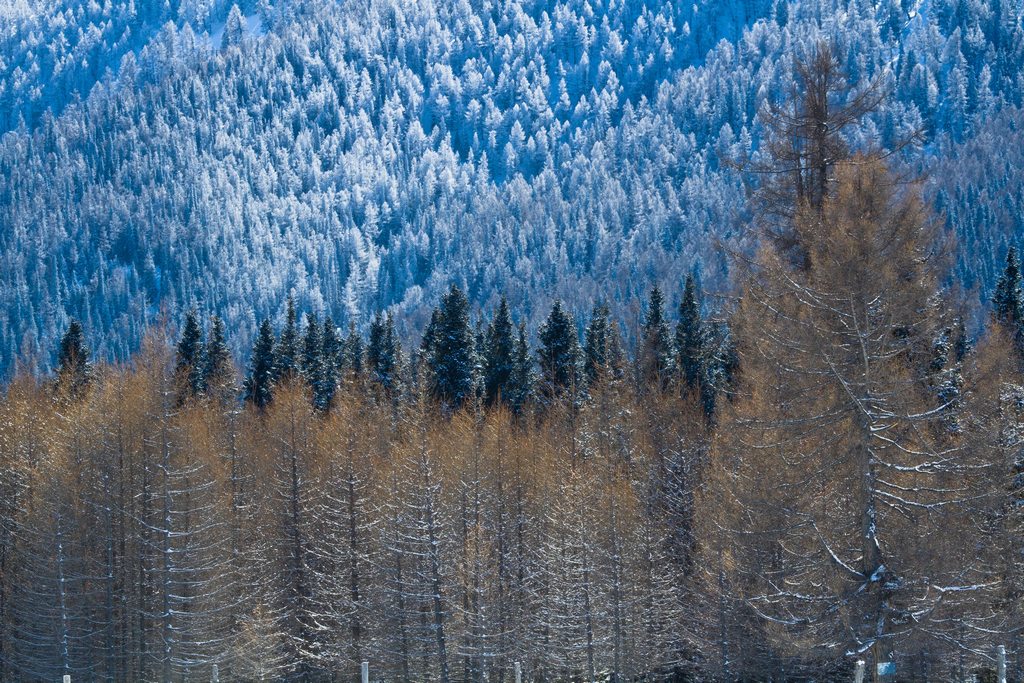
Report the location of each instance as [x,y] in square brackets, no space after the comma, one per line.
[1001,664]
[215,676]
[67,678]
[519,672]
[858,674]
[365,672]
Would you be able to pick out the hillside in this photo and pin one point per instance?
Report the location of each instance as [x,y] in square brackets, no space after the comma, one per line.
[367,154]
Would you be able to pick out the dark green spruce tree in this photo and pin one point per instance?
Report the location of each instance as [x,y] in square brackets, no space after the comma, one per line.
[311,358]
[190,359]
[351,365]
[430,334]
[616,358]
[1008,302]
[451,362]
[74,367]
[479,358]
[384,352]
[499,355]
[520,384]
[287,354]
[259,385]
[693,359]
[559,354]
[331,354]
[655,354]
[217,372]
[595,345]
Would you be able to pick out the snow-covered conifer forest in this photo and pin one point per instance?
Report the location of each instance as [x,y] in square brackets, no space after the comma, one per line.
[617,340]
[365,154]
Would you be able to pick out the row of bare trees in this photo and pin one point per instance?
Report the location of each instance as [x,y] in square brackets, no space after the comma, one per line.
[149,541]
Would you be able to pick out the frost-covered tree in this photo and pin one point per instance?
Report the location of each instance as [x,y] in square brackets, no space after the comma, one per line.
[234,28]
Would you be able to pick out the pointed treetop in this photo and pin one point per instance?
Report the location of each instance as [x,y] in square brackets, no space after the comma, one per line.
[74,368]
[1007,301]
[451,361]
[259,384]
[190,358]
[217,371]
[559,352]
[656,353]
[287,352]
[596,343]
[499,354]
[520,384]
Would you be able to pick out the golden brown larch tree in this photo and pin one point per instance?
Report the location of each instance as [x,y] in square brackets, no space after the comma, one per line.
[847,482]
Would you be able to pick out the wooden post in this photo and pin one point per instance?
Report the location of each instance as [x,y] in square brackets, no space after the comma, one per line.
[519,672]
[858,674]
[1001,664]
[67,678]
[365,672]
[215,675]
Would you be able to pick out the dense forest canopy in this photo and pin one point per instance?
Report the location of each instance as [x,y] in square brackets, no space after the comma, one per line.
[363,155]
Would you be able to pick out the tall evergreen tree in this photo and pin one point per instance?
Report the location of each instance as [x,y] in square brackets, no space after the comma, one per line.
[430,334]
[690,337]
[288,349]
[479,357]
[595,346]
[1008,301]
[559,353]
[451,363]
[217,365]
[655,354]
[190,359]
[616,353]
[421,368]
[331,355]
[259,385]
[234,28]
[695,361]
[520,384]
[74,368]
[384,352]
[499,355]
[311,361]
[353,353]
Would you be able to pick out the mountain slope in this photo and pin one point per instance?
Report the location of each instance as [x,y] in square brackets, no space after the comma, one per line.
[366,154]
